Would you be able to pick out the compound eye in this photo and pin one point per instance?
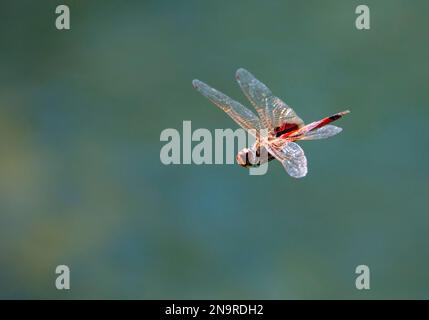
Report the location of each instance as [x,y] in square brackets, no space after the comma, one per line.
[242,158]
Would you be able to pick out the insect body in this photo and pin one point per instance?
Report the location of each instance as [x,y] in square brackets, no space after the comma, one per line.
[280,122]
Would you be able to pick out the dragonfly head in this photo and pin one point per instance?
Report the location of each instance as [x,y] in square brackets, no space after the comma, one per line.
[247,158]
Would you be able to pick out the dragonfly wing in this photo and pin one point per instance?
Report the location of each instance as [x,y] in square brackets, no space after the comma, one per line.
[274,113]
[322,133]
[292,158]
[239,113]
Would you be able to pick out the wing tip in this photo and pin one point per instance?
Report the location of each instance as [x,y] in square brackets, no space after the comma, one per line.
[336,129]
[298,175]
[196,83]
[240,72]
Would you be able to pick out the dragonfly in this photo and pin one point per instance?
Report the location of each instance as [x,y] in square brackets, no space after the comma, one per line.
[276,127]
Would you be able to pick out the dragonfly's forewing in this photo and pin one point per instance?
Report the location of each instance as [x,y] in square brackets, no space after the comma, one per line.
[274,113]
[322,133]
[239,113]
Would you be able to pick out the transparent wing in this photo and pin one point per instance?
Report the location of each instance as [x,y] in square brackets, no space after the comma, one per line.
[272,111]
[239,113]
[292,158]
[322,133]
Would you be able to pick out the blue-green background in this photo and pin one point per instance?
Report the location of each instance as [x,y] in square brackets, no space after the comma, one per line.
[81,182]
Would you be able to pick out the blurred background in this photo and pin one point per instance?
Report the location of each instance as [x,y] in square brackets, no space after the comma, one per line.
[81,182]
